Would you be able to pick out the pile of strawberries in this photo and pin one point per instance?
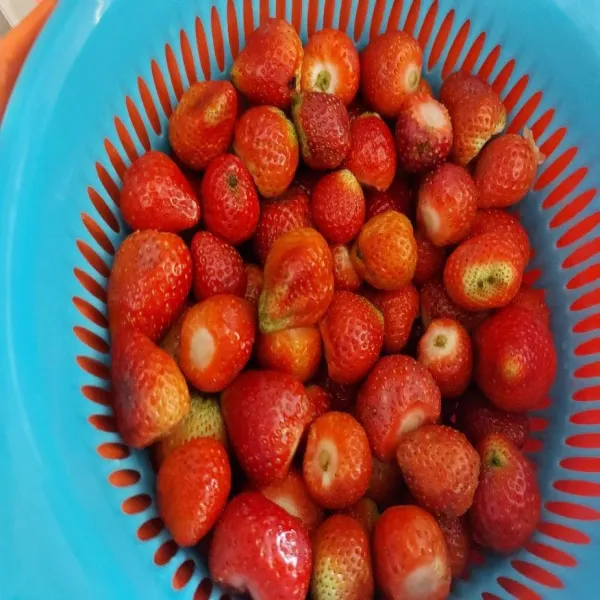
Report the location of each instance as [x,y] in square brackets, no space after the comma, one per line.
[333,362]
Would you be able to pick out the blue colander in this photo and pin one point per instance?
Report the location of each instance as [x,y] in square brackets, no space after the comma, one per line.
[78,518]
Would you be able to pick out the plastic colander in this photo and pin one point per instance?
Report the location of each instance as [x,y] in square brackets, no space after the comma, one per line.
[77,512]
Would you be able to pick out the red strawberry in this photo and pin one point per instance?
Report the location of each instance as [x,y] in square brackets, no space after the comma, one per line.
[372,153]
[423,133]
[352,333]
[323,129]
[430,259]
[294,351]
[150,280]
[201,126]
[229,200]
[267,70]
[266,413]
[337,462]
[171,340]
[515,359]
[150,395]
[192,488]
[410,555]
[331,65]
[532,299]
[458,539]
[390,71]
[398,197]
[156,195]
[460,84]
[319,401]
[446,351]
[342,396]
[338,207]
[254,286]
[218,267]
[399,308]
[366,513]
[386,483]
[477,418]
[266,141]
[398,396]
[506,170]
[344,274]
[484,272]
[341,561]
[507,504]
[447,204]
[260,549]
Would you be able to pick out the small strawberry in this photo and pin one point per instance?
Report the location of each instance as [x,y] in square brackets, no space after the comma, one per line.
[323,129]
[216,341]
[372,153]
[266,413]
[366,513]
[266,141]
[398,197]
[338,207]
[386,483]
[254,286]
[319,401]
[150,280]
[218,267]
[446,351]
[342,396]
[506,170]
[430,259]
[457,534]
[532,299]
[192,488]
[460,84]
[331,65]
[390,71]
[352,333]
[447,204]
[171,340]
[515,359]
[410,556]
[423,133]
[344,274]
[507,504]
[398,396]
[229,200]
[341,561]
[259,548]
[337,462]
[267,70]
[385,253]
[201,126]
[295,351]
[298,281]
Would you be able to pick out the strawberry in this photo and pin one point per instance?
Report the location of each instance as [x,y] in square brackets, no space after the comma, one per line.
[218,267]
[266,141]
[515,359]
[440,468]
[458,539]
[352,332]
[344,274]
[216,341]
[298,281]
[398,197]
[323,129]
[506,170]
[460,84]
[337,462]
[430,259]
[446,351]
[331,65]
[424,87]
[156,195]
[484,272]
[477,418]
[447,204]
[171,340]
[386,483]
[423,133]
[410,555]
[267,70]
[338,207]
[201,126]
[150,280]
[507,504]
[254,286]
[192,488]
[229,200]
[341,561]
[294,351]
[260,549]
[532,299]
[150,395]
[390,71]
[366,513]
[399,308]
[385,253]
[372,153]
[266,413]
[319,401]
[398,396]
[342,396]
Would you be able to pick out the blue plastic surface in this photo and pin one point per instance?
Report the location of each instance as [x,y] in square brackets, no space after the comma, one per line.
[64,534]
